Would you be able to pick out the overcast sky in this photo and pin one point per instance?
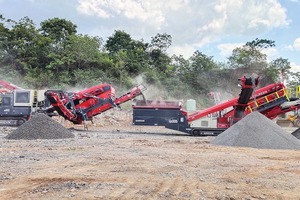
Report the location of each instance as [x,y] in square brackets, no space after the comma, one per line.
[213,27]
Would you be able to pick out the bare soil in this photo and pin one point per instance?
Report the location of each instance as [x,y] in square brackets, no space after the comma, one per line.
[114,160]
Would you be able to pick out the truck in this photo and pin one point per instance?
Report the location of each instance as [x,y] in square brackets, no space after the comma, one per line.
[271,100]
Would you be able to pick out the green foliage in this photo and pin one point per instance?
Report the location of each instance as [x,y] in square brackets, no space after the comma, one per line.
[11,76]
[130,55]
[250,55]
[94,77]
[159,61]
[55,56]
[18,43]
[294,79]
[194,71]
[278,69]
[38,78]
[58,29]
[161,42]
[247,57]
[201,62]
[260,44]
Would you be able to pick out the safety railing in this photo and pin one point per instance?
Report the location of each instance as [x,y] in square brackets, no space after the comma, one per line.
[256,103]
[294,92]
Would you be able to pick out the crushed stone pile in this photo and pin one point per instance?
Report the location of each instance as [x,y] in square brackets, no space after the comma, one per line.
[296,133]
[40,126]
[257,131]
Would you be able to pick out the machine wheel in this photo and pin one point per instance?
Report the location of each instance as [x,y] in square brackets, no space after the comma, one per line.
[195,132]
[20,122]
[296,122]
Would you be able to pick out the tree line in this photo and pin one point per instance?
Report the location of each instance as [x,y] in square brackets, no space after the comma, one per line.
[54,55]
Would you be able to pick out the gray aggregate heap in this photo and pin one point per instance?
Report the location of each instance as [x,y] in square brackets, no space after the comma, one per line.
[296,133]
[40,126]
[257,131]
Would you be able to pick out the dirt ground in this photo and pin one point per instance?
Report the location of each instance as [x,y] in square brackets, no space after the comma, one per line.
[114,160]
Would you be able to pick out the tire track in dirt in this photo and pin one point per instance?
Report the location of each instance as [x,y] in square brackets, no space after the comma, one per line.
[114,165]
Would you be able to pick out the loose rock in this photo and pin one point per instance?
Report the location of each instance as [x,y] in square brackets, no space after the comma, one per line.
[296,133]
[40,126]
[257,131]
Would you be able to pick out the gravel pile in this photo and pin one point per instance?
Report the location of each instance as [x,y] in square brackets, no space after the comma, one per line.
[40,126]
[296,133]
[257,131]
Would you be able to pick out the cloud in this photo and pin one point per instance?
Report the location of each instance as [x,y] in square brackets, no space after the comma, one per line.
[296,44]
[226,48]
[185,50]
[151,12]
[295,67]
[235,17]
[197,23]
[272,53]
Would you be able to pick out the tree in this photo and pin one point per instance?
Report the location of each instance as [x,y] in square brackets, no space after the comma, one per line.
[119,41]
[180,64]
[250,55]
[126,52]
[82,52]
[200,65]
[4,41]
[51,58]
[200,62]
[18,47]
[294,80]
[278,69]
[59,32]
[250,60]
[159,59]
[161,42]
[194,71]
[260,44]
[58,29]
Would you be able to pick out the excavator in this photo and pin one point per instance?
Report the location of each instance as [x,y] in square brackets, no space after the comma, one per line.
[295,119]
[290,119]
[271,100]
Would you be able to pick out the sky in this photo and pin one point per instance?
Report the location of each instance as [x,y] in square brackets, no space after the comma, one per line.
[214,27]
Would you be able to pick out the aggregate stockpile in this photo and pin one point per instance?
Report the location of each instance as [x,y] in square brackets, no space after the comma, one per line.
[296,133]
[257,131]
[40,127]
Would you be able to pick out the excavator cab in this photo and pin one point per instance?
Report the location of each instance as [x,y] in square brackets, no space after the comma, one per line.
[295,118]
